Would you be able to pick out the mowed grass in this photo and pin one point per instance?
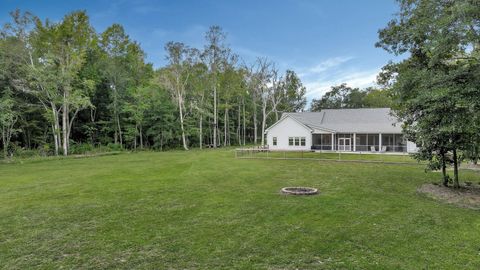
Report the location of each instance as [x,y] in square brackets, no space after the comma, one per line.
[364,157]
[207,210]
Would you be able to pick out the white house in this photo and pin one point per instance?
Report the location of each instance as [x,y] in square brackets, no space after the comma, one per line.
[357,130]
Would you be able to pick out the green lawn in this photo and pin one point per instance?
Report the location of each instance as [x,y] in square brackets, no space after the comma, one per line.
[207,210]
[395,158]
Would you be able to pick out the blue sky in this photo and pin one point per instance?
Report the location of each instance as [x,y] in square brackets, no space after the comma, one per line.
[325,42]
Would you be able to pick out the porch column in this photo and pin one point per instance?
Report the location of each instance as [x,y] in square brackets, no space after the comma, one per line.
[333,142]
[379,142]
[354,142]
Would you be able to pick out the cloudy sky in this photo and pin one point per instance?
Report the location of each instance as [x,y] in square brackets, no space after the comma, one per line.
[325,42]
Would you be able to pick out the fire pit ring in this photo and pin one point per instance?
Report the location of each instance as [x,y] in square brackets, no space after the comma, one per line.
[299,190]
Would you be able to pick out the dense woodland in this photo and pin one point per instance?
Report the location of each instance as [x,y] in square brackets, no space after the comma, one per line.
[65,88]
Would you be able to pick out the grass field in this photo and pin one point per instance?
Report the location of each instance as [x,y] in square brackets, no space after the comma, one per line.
[388,158]
[207,210]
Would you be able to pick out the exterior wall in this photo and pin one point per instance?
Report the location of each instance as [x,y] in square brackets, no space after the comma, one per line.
[288,127]
[411,147]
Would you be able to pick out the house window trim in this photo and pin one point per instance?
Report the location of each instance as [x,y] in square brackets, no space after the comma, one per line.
[297,141]
[274,141]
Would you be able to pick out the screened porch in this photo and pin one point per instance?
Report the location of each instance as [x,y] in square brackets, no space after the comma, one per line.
[352,142]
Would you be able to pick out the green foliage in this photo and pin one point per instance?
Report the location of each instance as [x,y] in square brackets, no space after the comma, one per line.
[436,88]
[75,88]
[345,97]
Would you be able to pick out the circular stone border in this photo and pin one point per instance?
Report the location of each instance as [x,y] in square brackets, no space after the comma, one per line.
[299,190]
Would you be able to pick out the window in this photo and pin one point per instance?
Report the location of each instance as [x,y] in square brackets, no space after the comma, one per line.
[296,141]
[274,141]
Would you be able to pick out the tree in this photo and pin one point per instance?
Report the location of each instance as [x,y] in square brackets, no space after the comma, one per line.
[199,84]
[293,94]
[439,79]
[160,124]
[72,85]
[269,90]
[8,119]
[114,43]
[377,98]
[175,77]
[214,54]
[339,97]
[59,51]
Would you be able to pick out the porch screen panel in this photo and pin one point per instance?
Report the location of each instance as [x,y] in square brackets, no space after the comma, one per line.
[326,141]
[362,142]
[400,144]
[373,141]
[394,142]
[387,142]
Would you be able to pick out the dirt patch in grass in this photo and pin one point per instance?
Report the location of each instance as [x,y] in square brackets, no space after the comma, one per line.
[467,196]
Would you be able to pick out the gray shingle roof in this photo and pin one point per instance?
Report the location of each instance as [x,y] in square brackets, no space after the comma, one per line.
[378,120]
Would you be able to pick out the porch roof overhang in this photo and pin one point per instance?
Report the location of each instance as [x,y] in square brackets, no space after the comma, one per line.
[317,130]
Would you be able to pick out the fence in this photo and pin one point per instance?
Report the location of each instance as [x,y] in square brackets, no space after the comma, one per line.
[365,157]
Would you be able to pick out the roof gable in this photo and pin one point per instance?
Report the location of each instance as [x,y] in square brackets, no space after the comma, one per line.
[285,116]
[369,120]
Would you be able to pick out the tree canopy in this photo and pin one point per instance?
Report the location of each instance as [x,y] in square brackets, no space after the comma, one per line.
[436,88]
[66,88]
[344,97]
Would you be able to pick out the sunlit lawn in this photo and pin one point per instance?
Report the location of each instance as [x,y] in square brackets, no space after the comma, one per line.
[341,156]
[207,210]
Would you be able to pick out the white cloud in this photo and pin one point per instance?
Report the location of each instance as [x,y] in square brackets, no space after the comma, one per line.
[319,78]
[329,64]
[361,79]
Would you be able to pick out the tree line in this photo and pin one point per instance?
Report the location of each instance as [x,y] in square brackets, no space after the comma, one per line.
[345,97]
[64,88]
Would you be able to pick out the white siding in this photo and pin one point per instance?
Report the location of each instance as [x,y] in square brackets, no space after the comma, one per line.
[411,147]
[288,127]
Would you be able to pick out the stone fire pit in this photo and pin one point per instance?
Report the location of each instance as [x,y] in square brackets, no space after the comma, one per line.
[299,190]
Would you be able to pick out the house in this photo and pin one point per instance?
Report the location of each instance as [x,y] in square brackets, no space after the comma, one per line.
[348,130]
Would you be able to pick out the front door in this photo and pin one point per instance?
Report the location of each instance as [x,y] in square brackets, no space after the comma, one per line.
[344,144]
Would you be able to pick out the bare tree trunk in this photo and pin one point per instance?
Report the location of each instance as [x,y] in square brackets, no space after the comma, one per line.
[118,128]
[141,137]
[4,142]
[215,116]
[239,124]
[455,169]
[180,106]
[55,139]
[244,122]
[120,136]
[69,125]
[225,116]
[264,120]
[55,128]
[200,139]
[64,125]
[255,131]
[161,142]
[135,138]
[444,170]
